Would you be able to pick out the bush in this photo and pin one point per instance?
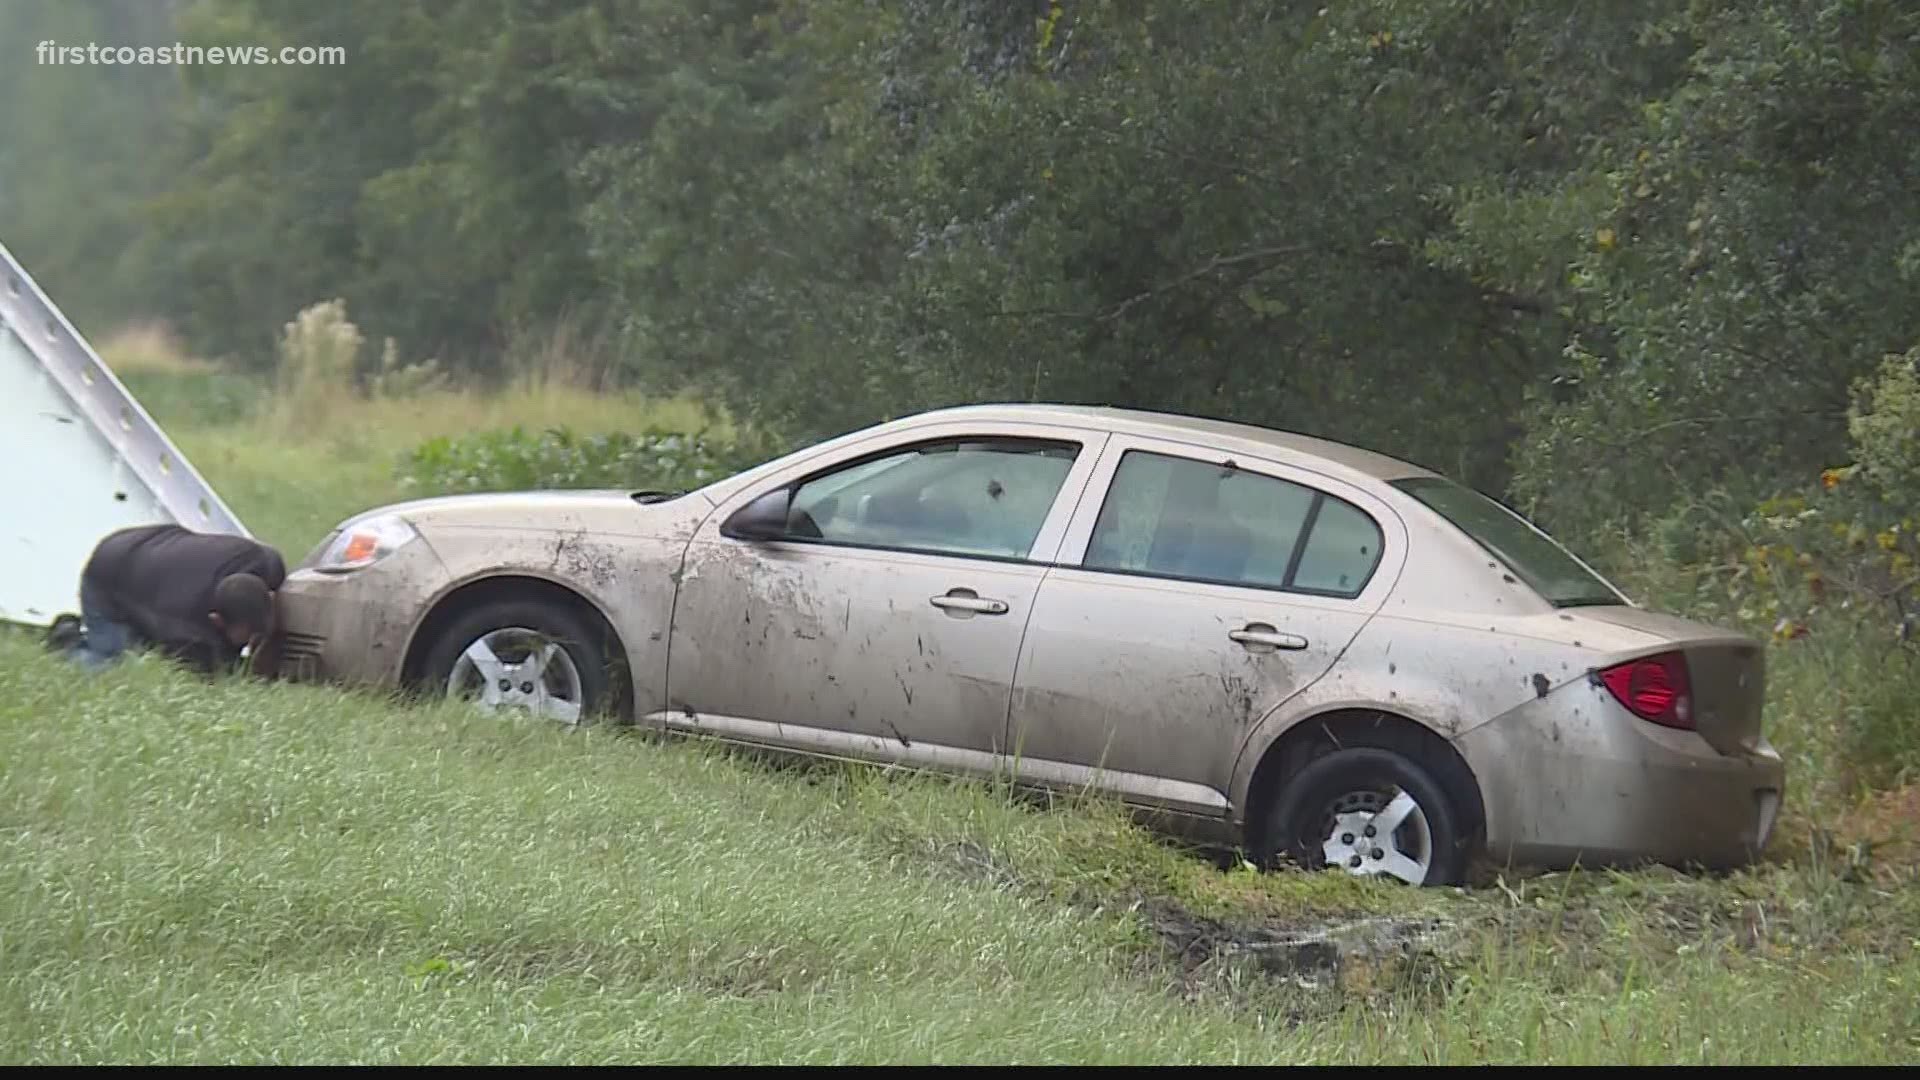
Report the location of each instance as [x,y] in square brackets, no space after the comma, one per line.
[319,350]
[517,460]
[320,370]
[1885,426]
[1852,541]
[1831,571]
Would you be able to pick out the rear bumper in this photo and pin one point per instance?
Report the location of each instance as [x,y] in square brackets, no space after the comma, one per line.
[1575,779]
[355,627]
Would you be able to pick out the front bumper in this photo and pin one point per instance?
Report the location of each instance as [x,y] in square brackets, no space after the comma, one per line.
[355,627]
[1574,779]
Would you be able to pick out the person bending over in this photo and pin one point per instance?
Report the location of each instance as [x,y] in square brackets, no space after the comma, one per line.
[198,598]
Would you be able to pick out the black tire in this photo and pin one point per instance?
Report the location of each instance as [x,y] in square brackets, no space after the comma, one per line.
[1301,815]
[584,647]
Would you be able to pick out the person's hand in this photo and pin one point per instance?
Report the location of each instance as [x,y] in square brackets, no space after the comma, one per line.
[264,660]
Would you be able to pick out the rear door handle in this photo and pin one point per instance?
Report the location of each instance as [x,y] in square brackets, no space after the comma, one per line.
[968,600]
[1262,634]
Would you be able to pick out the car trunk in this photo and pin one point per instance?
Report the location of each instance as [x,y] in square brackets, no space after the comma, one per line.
[1726,672]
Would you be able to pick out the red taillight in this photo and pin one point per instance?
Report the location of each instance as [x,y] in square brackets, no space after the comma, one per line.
[1653,688]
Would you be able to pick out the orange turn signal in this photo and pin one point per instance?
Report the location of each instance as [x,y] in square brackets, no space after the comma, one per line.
[359,548]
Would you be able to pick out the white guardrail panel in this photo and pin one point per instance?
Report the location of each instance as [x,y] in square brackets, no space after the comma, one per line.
[79,458]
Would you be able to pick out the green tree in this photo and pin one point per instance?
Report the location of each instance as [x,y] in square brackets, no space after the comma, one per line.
[434,181]
[81,148]
[1595,257]
[1222,210]
[1732,260]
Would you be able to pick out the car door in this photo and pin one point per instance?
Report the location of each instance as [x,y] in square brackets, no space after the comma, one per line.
[880,614]
[1196,592]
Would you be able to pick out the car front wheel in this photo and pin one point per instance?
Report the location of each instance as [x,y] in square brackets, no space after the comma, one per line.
[522,655]
[1368,812]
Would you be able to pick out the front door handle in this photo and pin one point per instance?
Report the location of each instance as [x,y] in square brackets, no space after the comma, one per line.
[1262,634]
[968,600]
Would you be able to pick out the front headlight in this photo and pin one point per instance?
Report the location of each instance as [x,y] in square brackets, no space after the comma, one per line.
[360,544]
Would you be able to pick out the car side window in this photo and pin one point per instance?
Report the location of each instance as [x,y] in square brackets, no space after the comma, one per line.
[1341,552]
[1182,518]
[986,497]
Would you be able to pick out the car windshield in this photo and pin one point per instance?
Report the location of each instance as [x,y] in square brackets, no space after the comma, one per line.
[1542,563]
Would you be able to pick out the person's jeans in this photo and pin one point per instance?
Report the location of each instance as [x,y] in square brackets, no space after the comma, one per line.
[104,639]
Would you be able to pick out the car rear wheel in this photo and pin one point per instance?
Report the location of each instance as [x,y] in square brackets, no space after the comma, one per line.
[1368,812]
[522,655]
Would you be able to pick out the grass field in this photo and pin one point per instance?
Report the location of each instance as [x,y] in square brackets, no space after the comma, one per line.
[248,873]
[245,873]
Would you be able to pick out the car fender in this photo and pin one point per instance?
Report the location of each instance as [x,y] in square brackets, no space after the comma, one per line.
[629,581]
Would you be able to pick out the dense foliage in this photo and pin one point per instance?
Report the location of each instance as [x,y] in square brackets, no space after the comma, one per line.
[519,460]
[1601,259]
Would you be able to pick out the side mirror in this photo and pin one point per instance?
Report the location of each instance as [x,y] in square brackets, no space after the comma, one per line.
[765,518]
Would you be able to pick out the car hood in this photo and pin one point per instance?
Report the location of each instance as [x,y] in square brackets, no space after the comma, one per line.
[613,511]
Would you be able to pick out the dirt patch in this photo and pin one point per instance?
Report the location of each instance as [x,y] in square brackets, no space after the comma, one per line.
[1352,954]
[1316,962]
[1879,839]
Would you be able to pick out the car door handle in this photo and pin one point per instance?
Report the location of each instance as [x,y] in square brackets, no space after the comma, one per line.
[1262,634]
[968,600]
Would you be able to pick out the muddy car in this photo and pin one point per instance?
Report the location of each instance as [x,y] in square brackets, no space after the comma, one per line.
[1330,657]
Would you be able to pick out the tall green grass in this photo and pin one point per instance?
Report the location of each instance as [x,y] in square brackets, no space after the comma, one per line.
[245,873]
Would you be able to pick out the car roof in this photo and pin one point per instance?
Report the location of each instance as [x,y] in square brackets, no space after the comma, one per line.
[1285,446]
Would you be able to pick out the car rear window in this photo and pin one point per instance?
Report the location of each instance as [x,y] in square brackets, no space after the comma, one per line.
[1540,561]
